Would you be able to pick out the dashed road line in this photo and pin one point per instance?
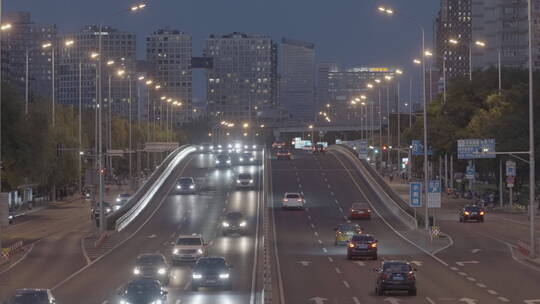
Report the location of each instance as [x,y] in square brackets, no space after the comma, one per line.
[430,300]
[312,225]
[503,299]
[462,273]
[454,268]
[355,300]
[337,270]
[471,279]
[320,242]
[346,284]
[332,193]
[324,249]
[481,285]
[316,233]
[309,217]
[331,259]
[492,292]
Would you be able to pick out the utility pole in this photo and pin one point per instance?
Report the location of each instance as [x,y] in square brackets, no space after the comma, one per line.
[532,179]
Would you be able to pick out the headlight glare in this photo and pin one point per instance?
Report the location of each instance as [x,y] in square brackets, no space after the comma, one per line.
[175,251]
[197,276]
[136,271]
[162,271]
[225,224]
[223,275]
[243,224]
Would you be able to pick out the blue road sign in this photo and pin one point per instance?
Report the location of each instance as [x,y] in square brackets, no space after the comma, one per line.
[471,171]
[418,148]
[476,148]
[415,194]
[434,194]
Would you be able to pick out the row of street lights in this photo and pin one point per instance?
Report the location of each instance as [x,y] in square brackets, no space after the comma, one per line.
[531,152]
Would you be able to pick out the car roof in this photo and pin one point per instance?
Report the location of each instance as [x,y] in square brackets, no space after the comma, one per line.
[211,259]
[347,225]
[244,174]
[363,205]
[190,236]
[124,194]
[295,193]
[395,262]
[30,290]
[234,215]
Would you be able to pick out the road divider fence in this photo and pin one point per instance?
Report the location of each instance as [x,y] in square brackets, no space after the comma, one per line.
[138,202]
[385,195]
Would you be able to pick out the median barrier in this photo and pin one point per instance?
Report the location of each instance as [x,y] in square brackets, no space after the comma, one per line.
[384,194]
[121,218]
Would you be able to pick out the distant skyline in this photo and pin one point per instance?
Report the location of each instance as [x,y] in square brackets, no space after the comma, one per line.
[351,33]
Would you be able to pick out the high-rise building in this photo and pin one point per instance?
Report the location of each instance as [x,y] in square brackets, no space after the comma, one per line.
[338,87]
[296,90]
[503,26]
[22,44]
[243,76]
[77,68]
[169,52]
[453,23]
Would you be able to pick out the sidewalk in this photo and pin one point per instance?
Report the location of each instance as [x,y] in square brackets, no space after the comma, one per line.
[41,222]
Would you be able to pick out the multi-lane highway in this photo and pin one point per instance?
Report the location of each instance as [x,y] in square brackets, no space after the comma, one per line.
[313,270]
[179,215]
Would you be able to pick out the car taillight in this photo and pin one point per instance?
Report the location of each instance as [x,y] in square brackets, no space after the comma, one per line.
[373,245]
[299,199]
[385,276]
[369,210]
[285,199]
[481,212]
[351,245]
[410,276]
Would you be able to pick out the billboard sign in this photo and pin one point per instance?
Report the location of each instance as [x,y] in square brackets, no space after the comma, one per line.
[476,148]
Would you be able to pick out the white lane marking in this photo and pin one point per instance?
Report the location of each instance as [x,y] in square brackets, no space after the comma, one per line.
[355,300]
[454,268]
[337,270]
[331,259]
[462,264]
[476,250]
[312,225]
[340,209]
[299,185]
[316,233]
[105,302]
[346,284]
[503,299]
[152,236]
[491,291]
[461,273]
[332,193]
[83,249]
[304,263]
[360,263]
[432,255]
[324,249]
[471,279]
[430,300]
[178,301]
[345,217]
[336,201]
[481,285]
[129,237]
[320,242]
[298,179]
[325,179]
[329,186]
[309,217]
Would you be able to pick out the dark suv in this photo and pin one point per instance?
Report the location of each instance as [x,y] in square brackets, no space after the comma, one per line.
[363,245]
[32,296]
[153,266]
[211,272]
[223,161]
[143,291]
[472,213]
[395,276]
[186,185]
[234,222]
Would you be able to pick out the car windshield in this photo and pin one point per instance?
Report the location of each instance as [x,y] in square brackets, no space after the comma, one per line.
[234,216]
[143,288]
[223,157]
[247,155]
[211,262]
[150,259]
[363,239]
[293,195]
[185,180]
[347,227]
[123,195]
[244,176]
[189,241]
[283,151]
[473,209]
[358,206]
[38,297]
[396,267]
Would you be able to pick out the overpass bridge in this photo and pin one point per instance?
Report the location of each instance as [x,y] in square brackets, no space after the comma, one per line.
[281,128]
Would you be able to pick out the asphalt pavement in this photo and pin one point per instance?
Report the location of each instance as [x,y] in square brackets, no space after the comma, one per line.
[176,215]
[316,271]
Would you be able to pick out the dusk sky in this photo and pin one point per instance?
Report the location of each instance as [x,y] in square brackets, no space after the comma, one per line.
[350,32]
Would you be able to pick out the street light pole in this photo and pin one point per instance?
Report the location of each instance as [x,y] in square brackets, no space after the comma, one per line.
[426,177]
[80,125]
[380,130]
[26,83]
[500,71]
[532,181]
[130,122]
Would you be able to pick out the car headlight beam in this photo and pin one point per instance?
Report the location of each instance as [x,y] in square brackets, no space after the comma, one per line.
[224,276]
[136,271]
[197,276]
